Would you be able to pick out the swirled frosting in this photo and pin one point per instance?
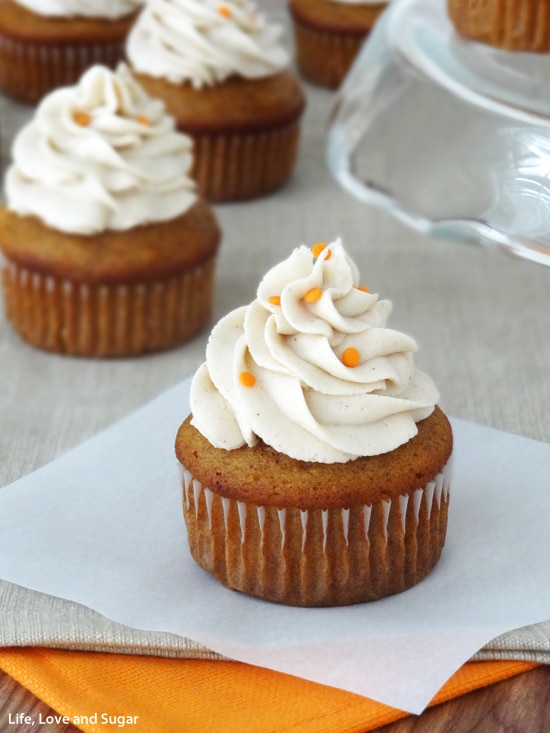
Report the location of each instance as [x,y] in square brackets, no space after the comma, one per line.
[203,42]
[110,9]
[310,367]
[100,155]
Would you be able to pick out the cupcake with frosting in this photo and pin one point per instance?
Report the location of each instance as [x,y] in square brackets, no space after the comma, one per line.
[108,249]
[316,461]
[328,35]
[512,25]
[45,44]
[222,72]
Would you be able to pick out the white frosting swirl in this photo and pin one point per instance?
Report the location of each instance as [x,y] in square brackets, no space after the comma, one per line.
[203,42]
[109,9]
[100,155]
[305,401]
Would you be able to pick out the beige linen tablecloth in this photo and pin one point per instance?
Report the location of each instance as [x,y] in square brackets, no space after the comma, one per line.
[481,319]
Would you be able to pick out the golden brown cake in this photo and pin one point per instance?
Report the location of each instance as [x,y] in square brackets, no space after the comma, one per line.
[100,258]
[316,463]
[114,293]
[328,35]
[243,110]
[513,25]
[39,52]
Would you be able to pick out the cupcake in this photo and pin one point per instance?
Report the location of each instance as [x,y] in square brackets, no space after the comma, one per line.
[328,35]
[316,462]
[108,249]
[512,25]
[223,75]
[45,44]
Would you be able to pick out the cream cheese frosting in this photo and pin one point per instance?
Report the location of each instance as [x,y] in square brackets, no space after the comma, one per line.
[109,9]
[310,367]
[203,42]
[100,155]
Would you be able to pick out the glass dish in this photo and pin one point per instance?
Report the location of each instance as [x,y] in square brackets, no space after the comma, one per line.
[449,136]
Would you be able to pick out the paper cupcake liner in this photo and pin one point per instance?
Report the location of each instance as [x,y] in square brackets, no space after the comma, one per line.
[107,320]
[233,166]
[318,557]
[514,25]
[324,58]
[31,69]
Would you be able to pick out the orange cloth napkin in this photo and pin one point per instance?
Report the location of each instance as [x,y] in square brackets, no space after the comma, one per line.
[158,695]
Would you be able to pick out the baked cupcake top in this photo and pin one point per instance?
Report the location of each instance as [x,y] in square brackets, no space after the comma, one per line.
[100,155]
[310,367]
[203,42]
[82,8]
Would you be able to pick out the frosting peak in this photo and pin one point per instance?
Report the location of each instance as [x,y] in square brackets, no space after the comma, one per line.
[310,367]
[100,155]
[203,42]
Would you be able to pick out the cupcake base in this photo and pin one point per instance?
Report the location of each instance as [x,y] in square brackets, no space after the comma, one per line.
[328,36]
[318,557]
[313,534]
[114,293]
[239,166]
[324,58]
[107,320]
[41,53]
[513,25]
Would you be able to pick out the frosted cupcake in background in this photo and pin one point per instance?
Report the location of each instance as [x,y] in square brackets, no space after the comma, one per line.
[108,249]
[316,461]
[328,35]
[45,44]
[222,72]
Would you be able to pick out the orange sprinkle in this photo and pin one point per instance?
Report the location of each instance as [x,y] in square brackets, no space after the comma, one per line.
[225,11]
[351,357]
[81,118]
[247,379]
[143,120]
[318,248]
[275,299]
[313,295]
[363,289]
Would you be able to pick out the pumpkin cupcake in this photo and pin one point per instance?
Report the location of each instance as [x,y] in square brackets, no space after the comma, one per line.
[328,35]
[223,75]
[45,44]
[316,462]
[513,25]
[108,250]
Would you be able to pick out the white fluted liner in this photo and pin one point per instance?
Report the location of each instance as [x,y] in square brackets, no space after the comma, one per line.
[318,556]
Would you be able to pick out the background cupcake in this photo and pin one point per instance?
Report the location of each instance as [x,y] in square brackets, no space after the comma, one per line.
[316,462]
[108,249]
[223,75]
[45,44]
[513,25]
[328,35]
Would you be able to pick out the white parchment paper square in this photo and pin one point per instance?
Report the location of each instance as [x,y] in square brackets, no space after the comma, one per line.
[103,526]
